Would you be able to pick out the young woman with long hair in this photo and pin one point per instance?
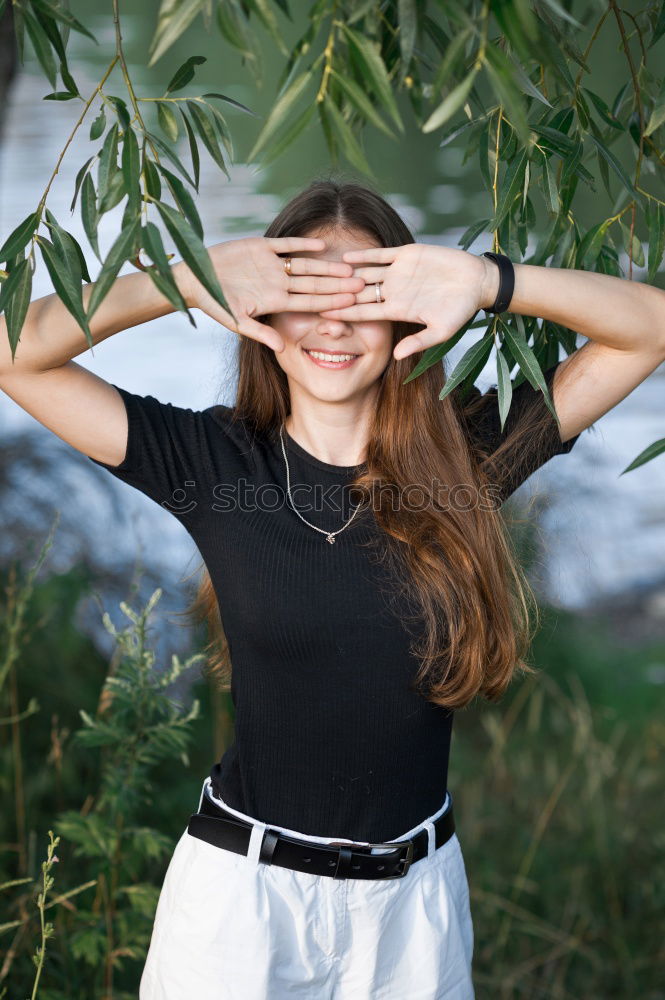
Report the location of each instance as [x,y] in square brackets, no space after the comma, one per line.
[360,582]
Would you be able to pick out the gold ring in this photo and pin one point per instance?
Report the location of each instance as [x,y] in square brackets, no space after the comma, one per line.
[287,265]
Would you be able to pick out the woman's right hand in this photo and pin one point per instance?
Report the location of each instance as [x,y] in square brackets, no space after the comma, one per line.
[255,283]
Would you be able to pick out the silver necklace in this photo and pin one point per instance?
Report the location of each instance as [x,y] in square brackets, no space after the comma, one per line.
[330,535]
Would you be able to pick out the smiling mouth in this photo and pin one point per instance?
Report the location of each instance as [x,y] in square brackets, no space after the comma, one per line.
[332,359]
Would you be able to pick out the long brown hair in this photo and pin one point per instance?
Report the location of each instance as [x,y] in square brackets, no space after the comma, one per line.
[457,567]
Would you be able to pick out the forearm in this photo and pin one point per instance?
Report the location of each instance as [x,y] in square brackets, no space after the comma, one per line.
[51,336]
[625,315]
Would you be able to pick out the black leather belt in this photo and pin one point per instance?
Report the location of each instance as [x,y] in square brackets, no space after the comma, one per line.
[221,828]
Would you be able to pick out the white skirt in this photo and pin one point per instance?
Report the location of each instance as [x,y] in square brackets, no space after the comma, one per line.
[229,927]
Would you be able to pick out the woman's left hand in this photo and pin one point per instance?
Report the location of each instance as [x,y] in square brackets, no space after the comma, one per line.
[437,287]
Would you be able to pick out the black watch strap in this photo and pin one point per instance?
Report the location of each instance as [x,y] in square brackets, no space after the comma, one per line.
[506,282]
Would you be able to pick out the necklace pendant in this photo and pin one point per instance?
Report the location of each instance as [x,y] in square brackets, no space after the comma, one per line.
[331,539]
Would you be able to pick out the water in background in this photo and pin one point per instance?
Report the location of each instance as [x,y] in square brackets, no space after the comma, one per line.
[603,533]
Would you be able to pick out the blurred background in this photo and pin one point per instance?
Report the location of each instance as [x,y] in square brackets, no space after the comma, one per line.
[596,543]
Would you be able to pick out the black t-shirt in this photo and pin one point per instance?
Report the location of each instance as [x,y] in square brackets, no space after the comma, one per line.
[330,739]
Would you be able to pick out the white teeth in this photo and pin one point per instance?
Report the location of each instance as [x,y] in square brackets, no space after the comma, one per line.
[331,357]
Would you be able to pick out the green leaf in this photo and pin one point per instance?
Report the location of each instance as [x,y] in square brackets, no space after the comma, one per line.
[349,143]
[288,136]
[526,360]
[173,18]
[20,236]
[184,74]
[166,151]
[63,15]
[504,387]
[616,167]
[656,220]
[99,124]
[435,353]
[131,168]
[108,161]
[369,57]
[590,246]
[500,72]
[60,95]
[41,46]
[451,103]
[169,290]
[167,121]
[15,305]
[550,188]
[193,253]
[121,110]
[193,149]
[510,188]
[69,292]
[361,102]
[655,449]
[657,116]
[89,215]
[280,111]
[632,244]
[476,355]
[221,127]
[183,199]
[206,130]
[122,249]
[114,194]
[408,28]
[604,111]
[153,184]
[68,249]
[267,16]
[10,283]
[161,273]
[233,103]
[471,234]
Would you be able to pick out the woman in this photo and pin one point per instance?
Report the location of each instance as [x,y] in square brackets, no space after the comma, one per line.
[323,859]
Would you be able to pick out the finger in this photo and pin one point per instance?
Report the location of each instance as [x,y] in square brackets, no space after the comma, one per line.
[261,332]
[358,313]
[419,342]
[310,265]
[315,303]
[377,255]
[292,244]
[370,274]
[325,285]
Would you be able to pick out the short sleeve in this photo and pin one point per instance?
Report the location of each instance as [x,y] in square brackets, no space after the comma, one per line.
[167,455]
[539,442]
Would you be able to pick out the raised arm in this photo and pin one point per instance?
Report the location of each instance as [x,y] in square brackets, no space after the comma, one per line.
[86,411]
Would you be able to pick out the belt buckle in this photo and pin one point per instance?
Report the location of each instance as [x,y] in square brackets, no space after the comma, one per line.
[405,861]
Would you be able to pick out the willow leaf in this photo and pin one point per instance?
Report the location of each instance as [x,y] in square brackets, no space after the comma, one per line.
[504,387]
[69,292]
[19,238]
[361,101]
[349,143]
[280,111]
[526,361]
[655,449]
[468,363]
[173,18]
[121,250]
[369,57]
[451,103]
[89,214]
[193,252]
[184,74]
[206,130]
[16,306]
[183,199]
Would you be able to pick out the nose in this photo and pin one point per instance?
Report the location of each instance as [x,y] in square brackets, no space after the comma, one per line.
[333,327]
